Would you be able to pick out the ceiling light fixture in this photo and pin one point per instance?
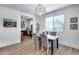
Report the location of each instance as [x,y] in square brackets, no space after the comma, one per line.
[39,10]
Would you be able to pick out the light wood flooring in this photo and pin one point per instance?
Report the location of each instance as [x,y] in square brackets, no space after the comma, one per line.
[26,48]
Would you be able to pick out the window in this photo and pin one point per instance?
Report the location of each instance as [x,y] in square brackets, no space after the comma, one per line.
[58,23]
[55,23]
[49,24]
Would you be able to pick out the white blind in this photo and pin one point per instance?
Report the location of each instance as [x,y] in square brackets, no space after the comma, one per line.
[55,23]
[49,24]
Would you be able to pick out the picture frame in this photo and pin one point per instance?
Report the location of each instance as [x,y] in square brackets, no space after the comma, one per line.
[22,24]
[73,26]
[74,20]
[8,23]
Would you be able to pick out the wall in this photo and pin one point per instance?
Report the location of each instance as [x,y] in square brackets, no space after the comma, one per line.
[29,24]
[9,36]
[68,37]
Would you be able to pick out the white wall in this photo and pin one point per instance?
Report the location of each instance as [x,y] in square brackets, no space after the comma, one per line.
[29,24]
[68,37]
[10,36]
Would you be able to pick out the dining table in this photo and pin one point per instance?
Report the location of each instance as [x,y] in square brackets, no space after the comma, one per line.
[50,38]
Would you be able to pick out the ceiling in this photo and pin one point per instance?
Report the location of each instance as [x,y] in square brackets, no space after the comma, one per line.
[29,8]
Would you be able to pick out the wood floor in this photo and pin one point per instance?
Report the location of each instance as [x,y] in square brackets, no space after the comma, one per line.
[26,48]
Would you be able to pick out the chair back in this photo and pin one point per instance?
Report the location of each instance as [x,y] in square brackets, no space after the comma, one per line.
[53,33]
[35,38]
[44,40]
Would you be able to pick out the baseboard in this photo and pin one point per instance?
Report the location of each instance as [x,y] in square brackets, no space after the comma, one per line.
[69,46]
[13,44]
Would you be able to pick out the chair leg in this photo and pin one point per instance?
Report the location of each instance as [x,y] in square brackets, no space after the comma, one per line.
[34,48]
[37,47]
[47,50]
[42,48]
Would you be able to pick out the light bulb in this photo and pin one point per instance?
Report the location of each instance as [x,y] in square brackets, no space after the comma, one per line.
[40,13]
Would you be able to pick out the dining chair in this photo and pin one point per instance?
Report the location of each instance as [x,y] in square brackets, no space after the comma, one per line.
[35,40]
[45,42]
[53,33]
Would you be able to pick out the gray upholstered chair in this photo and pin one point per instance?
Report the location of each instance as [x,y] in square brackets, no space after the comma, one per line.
[35,40]
[53,33]
[45,42]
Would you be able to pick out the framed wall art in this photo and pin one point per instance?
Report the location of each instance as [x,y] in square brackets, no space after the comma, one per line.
[74,23]
[74,20]
[7,22]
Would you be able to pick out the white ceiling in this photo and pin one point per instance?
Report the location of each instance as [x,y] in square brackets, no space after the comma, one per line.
[29,8]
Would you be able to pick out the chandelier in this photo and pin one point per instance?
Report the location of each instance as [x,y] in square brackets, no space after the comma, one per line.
[40,10]
[39,14]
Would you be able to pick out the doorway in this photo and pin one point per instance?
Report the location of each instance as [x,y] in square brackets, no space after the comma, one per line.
[26,27]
